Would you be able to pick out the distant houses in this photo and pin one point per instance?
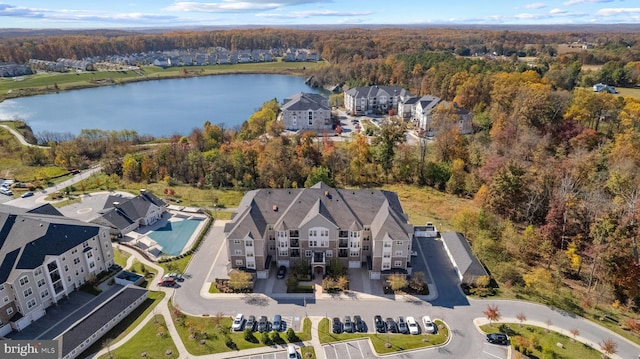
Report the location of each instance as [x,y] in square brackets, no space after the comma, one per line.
[11,69]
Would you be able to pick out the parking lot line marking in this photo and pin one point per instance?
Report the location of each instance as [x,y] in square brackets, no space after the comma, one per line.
[493,355]
[346,347]
[335,351]
[360,348]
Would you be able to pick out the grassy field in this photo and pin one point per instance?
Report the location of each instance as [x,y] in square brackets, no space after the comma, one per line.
[153,339]
[399,342]
[120,257]
[543,343]
[129,323]
[54,82]
[308,353]
[628,92]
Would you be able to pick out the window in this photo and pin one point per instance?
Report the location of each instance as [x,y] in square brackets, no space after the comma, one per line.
[248,243]
[27,292]
[354,253]
[236,241]
[38,271]
[313,243]
[44,293]
[74,251]
[251,265]
[41,282]
[5,299]
[249,254]
[85,244]
[329,253]
[92,265]
[310,117]
[76,260]
[66,268]
[386,265]
[237,252]
[9,310]
[272,247]
[387,244]
[307,253]
[1,287]
[398,254]
[386,255]
[397,264]
[239,262]
[283,253]
[399,243]
[68,278]
[89,254]
[31,303]
[24,280]
[365,248]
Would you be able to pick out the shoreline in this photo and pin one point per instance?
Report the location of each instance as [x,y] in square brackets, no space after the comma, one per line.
[51,86]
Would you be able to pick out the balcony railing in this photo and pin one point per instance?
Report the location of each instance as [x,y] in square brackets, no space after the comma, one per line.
[343,253]
[294,243]
[343,243]
[317,258]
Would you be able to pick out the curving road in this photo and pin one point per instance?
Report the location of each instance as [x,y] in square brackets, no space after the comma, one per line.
[20,138]
[451,305]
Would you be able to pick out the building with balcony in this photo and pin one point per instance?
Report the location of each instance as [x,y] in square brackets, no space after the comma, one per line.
[44,257]
[318,225]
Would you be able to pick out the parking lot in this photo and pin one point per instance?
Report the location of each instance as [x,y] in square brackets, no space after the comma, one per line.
[358,349]
[277,355]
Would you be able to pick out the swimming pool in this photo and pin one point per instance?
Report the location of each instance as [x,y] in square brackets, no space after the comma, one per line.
[174,235]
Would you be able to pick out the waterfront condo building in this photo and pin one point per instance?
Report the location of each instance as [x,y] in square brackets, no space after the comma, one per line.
[358,228]
[44,257]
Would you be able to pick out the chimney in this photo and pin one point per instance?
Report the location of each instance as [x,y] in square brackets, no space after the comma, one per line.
[143,191]
[275,208]
[116,204]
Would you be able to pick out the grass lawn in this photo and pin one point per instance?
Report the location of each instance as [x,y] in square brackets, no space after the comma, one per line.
[178,265]
[546,342]
[191,330]
[129,323]
[425,204]
[120,257]
[628,92]
[308,353]
[150,341]
[213,288]
[399,342]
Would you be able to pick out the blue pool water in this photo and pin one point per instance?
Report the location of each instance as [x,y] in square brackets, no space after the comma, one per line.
[174,235]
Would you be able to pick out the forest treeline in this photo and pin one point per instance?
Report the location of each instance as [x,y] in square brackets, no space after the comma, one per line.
[555,169]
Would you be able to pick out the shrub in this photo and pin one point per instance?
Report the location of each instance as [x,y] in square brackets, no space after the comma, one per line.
[292,337]
[266,339]
[276,338]
[248,336]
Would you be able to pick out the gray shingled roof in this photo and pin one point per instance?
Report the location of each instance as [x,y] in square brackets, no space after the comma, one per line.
[376,91]
[428,102]
[342,207]
[90,324]
[46,208]
[131,209]
[305,101]
[116,218]
[34,236]
[467,263]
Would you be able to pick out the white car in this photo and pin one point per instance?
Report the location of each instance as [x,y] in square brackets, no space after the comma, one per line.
[238,321]
[413,326]
[414,253]
[429,327]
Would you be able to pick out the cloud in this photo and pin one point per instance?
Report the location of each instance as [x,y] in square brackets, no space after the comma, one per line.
[81,15]
[557,11]
[618,11]
[312,13]
[577,2]
[536,5]
[234,6]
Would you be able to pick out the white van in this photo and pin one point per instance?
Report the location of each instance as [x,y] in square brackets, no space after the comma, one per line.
[291,352]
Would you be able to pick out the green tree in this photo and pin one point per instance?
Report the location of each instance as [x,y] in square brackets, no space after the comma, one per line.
[319,174]
[240,280]
[392,132]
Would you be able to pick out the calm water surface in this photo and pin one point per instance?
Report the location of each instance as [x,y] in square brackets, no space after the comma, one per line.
[159,108]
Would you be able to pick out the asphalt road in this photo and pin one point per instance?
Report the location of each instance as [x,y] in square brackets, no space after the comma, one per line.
[450,306]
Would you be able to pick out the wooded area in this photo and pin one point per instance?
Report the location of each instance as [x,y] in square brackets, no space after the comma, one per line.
[555,169]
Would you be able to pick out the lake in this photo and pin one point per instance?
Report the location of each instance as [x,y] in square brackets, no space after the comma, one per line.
[159,108]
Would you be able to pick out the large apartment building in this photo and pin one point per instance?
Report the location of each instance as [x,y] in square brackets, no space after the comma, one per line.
[306,111]
[374,99]
[44,257]
[356,227]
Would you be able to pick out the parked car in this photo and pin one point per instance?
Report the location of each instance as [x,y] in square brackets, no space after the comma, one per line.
[6,191]
[277,323]
[167,282]
[380,326]
[414,253]
[336,327]
[282,270]
[429,327]
[237,322]
[263,324]
[413,326]
[392,327]
[176,276]
[251,323]
[26,194]
[359,325]
[348,325]
[291,352]
[498,338]
[402,325]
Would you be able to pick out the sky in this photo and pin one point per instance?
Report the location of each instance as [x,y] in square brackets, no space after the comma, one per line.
[73,14]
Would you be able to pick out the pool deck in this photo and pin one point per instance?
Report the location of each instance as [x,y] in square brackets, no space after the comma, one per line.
[141,233]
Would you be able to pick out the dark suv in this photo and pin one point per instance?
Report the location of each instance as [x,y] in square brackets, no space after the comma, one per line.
[380,326]
[498,338]
[282,270]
